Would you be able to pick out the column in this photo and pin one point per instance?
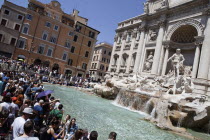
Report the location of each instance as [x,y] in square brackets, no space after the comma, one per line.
[139,51]
[165,60]
[158,48]
[113,50]
[134,35]
[196,59]
[121,52]
[204,59]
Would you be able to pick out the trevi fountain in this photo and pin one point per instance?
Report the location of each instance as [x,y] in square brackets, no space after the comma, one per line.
[160,65]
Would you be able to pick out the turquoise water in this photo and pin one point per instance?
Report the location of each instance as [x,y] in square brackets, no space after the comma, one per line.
[95,113]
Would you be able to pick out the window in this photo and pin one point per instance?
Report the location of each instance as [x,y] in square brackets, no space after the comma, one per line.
[21,43]
[17,27]
[89,43]
[107,68]
[110,53]
[129,38]
[4,22]
[67,44]
[91,34]
[49,52]
[20,17]
[48,24]
[44,36]
[64,56]
[25,29]
[49,14]
[92,66]
[70,62]
[13,41]
[41,50]
[1,36]
[86,54]
[71,33]
[102,67]
[94,58]
[75,38]
[56,27]
[78,28]
[6,12]
[105,52]
[53,39]
[84,66]
[29,17]
[72,49]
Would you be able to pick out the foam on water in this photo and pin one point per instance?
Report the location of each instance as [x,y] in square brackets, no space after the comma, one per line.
[127,108]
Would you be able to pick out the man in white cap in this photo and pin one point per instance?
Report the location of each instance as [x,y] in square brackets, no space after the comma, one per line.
[19,122]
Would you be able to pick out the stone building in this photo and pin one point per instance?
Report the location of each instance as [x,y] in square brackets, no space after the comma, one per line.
[100,61]
[11,18]
[144,44]
[52,38]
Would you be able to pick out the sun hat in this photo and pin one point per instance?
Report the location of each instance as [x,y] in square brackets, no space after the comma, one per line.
[41,101]
[28,110]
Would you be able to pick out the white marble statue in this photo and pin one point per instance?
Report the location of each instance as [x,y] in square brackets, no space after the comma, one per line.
[177,60]
[148,62]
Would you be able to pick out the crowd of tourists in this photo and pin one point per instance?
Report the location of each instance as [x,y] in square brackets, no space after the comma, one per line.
[27,111]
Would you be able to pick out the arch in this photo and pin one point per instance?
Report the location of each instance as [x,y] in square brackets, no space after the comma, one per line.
[37,62]
[199,27]
[184,34]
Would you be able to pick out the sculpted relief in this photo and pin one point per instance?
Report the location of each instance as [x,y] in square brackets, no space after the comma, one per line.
[153,35]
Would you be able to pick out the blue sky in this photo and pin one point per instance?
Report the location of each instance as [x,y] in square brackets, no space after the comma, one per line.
[103,15]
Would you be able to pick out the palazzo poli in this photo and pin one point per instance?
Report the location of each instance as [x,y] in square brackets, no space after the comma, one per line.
[145,45]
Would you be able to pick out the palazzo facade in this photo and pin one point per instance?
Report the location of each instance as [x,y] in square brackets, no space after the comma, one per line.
[144,44]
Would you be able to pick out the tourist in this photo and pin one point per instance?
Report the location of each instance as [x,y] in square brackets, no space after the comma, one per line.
[78,135]
[28,132]
[85,135]
[19,122]
[39,113]
[27,103]
[112,136]
[50,133]
[93,135]
[67,121]
[13,110]
[72,128]
[56,113]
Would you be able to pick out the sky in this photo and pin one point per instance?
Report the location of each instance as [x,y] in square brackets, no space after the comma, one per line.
[102,15]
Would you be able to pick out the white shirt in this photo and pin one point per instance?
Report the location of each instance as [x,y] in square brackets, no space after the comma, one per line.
[5,107]
[18,127]
[26,138]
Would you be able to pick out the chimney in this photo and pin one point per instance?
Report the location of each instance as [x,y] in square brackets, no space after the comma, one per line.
[75,13]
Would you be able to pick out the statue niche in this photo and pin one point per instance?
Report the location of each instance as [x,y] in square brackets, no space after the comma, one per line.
[177,60]
[148,62]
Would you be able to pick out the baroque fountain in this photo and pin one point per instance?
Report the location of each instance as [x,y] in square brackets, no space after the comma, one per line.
[168,100]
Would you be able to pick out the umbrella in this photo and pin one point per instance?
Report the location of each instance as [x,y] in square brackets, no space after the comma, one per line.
[20,59]
[44,93]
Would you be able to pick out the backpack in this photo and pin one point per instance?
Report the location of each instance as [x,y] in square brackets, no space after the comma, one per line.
[43,135]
